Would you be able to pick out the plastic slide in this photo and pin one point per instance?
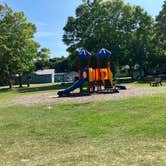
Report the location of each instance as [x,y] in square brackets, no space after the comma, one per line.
[76,85]
[110,76]
[102,77]
[91,77]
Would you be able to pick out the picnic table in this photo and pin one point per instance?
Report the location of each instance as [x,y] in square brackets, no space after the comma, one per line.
[156,81]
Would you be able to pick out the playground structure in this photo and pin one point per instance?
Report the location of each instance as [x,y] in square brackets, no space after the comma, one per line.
[98,79]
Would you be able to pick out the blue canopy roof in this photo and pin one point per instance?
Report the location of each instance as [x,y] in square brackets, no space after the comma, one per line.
[104,53]
[84,54]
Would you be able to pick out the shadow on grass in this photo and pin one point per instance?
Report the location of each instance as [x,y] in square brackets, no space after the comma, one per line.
[43,88]
[37,88]
[2,90]
[123,80]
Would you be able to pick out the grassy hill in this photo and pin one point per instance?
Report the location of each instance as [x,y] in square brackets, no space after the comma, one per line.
[122,132]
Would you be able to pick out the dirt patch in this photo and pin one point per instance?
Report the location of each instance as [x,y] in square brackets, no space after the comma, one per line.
[53,97]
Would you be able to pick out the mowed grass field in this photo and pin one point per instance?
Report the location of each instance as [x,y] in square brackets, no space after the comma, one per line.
[119,132]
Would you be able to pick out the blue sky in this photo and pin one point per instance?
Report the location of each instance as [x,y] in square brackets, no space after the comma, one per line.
[50,16]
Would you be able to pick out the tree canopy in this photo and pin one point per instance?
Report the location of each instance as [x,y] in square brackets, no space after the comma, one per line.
[18,50]
[128,31]
[42,61]
[161,30]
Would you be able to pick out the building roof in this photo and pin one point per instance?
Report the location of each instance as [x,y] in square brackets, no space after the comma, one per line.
[45,72]
[60,74]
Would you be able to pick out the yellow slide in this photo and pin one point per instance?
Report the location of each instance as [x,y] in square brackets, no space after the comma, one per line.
[102,76]
[110,76]
[91,79]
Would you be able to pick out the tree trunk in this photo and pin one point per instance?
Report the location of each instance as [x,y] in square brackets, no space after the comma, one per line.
[20,80]
[9,77]
[131,71]
[10,83]
[28,84]
[141,72]
[28,81]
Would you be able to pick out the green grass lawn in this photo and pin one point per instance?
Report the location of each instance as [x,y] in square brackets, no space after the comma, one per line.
[124,132]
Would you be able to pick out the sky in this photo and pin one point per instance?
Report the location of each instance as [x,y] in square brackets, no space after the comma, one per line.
[50,16]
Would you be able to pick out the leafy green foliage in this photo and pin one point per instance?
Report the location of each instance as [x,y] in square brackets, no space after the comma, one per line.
[42,61]
[160,38]
[124,29]
[60,64]
[17,47]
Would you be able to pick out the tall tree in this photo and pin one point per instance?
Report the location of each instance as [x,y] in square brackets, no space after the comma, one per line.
[124,29]
[140,41]
[161,26]
[17,47]
[160,38]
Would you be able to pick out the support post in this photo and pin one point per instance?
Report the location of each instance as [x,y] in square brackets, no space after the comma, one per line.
[79,72]
[89,65]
